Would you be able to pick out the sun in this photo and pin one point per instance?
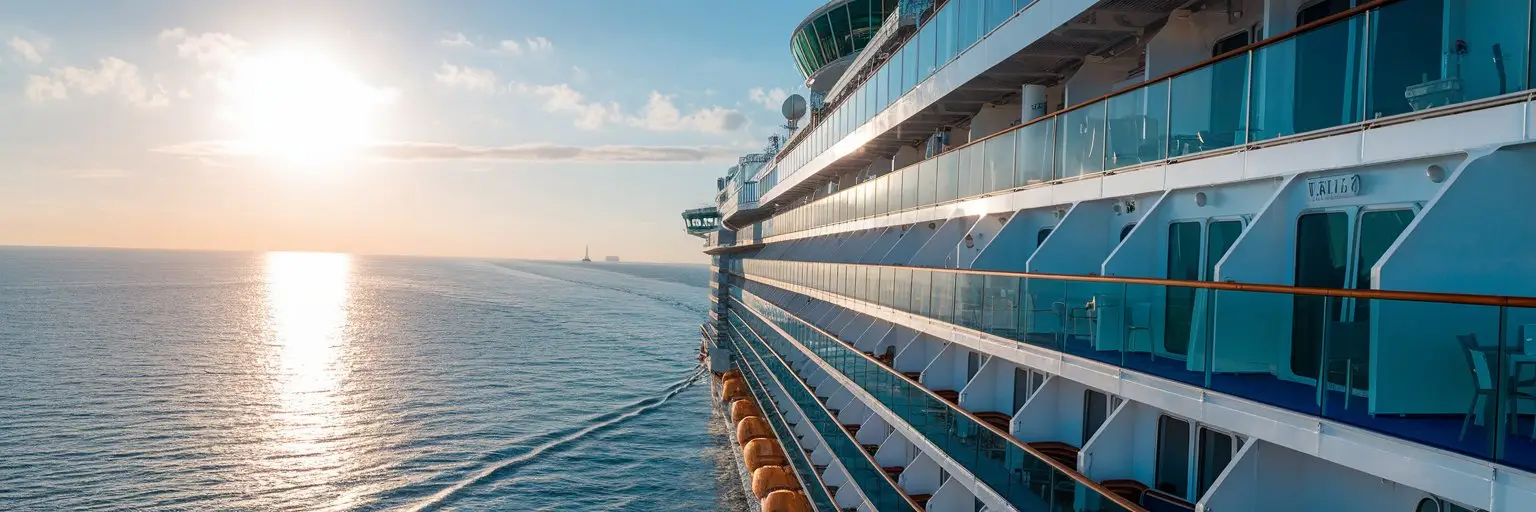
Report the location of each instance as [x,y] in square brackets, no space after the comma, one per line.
[302,106]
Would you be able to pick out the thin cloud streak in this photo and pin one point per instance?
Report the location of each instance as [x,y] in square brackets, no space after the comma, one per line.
[414,151]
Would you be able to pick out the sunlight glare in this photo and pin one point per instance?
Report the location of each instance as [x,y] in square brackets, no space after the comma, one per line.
[308,299]
[301,106]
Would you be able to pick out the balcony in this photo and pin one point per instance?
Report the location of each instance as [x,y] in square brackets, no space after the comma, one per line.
[1269,93]
[1025,477]
[1449,371]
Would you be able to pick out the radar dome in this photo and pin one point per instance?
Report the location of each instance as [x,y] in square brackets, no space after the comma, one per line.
[794,107]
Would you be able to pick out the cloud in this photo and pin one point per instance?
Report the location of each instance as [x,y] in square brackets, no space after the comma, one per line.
[539,44]
[113,75]
[562,98]
[770,99]
[535,44]
[455,40]
[660,114]
[28,50]
[579,75]
[468,78]
[210,49]
[409,151]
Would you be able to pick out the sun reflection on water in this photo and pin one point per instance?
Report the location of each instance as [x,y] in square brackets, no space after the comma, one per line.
[307,298]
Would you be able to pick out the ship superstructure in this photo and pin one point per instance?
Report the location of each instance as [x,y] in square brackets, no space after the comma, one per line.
[1222,255]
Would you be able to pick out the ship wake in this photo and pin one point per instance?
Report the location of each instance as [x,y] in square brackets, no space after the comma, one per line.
[556,441]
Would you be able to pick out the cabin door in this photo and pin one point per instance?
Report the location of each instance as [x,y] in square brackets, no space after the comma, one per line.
[1336,249]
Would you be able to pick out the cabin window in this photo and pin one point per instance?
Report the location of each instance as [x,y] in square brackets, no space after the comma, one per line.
[1096,407]
[1040,236]
[1216,451]
[1126,231]
[1172,474]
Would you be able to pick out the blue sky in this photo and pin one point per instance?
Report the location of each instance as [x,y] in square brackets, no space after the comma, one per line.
[501,129]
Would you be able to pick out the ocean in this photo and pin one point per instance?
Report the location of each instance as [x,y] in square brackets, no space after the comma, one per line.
[159,380]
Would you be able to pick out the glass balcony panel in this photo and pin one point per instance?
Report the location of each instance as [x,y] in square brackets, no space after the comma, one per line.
[1517,443]
[998,165]
[944,296]
[1424,54]
[1415,370]
[970,299]
[927,40]
[1138,120]
[1036,152]
[970,162]
[895,202]
[927,182]
[944,24]
[1000,313]
[997,11]
[1259,347]
[1093,319]
[1306,83]
[922,290]
[968,22]
[1045,313]
[1081,147]
[949,176]
[911,177]
[882,195]
[903,292]
[1208,107]
[1153,328]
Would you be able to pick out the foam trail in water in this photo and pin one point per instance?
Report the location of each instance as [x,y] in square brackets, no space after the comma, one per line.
[635,409]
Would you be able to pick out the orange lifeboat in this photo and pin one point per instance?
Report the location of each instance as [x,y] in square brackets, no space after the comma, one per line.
[773,478]
[734,390]
[752,427]
[786,501]
[762,452]
[743,408]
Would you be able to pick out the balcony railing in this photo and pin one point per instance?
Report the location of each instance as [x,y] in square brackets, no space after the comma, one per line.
[878,487]
[1026,478]
[1449,370]
[942,36]
[1384,59]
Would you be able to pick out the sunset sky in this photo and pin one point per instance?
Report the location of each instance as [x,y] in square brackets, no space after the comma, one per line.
[494,129]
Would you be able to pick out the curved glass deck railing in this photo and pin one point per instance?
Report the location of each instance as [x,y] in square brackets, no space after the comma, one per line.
[1452,371]
[1299,82]
[811,482]
[1028,479]
[942,36]
[877,487]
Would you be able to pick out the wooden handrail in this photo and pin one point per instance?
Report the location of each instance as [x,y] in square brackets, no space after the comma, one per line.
[1401,295]
[1070,472]
[867,456]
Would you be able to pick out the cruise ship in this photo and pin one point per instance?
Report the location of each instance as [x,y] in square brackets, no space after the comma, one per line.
[1127,255]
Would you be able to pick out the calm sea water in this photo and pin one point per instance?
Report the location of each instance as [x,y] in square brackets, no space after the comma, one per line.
[292,381]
